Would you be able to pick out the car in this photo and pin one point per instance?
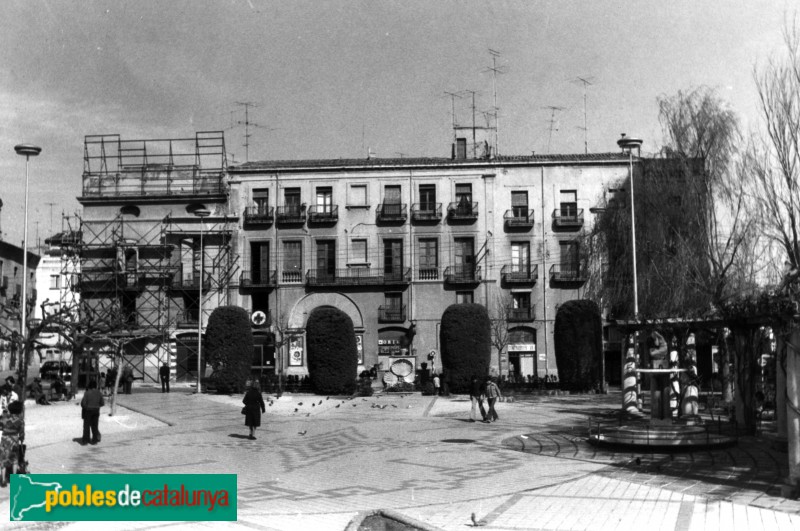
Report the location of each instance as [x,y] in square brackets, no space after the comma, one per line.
[50,369]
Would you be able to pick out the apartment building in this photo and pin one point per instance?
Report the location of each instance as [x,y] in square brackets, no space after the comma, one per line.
[393,242]
[11,277]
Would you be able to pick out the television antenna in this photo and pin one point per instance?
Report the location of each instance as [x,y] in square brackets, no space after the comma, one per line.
[453,96]
[247,125]
[585,81]
[494,69]
[553,110]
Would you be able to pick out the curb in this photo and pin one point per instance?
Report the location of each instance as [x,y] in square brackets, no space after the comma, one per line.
[390,514]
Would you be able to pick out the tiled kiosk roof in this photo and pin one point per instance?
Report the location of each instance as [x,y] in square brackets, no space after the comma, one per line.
[506,160]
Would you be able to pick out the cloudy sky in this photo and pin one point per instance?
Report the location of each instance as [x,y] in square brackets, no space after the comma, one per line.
[337,78]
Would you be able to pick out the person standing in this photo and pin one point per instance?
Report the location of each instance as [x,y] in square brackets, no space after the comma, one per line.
[253,408]
[90,413]
[436,385]
[111,380]
[163,372]
[492,394]
[476,396]
[127,378]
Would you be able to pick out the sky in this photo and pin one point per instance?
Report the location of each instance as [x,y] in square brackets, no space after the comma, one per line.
[339,79]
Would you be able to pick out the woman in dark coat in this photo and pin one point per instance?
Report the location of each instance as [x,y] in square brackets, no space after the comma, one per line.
[253,407]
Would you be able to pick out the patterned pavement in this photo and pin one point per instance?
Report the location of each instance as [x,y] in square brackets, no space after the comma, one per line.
[319,466]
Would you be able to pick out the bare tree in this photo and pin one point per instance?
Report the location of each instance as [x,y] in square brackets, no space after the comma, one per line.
[499,321]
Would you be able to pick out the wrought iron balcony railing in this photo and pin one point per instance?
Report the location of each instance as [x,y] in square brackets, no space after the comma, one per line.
[190,281]
[187,319]
[323,213]
[518,315]
[568,218]
[567,273]
[259,215]
[519,218]
[463,210]
[462,274]
[519,274]
[392,314]
[258,279]
[290,214]
[426,212]
[391,212]
[358,276]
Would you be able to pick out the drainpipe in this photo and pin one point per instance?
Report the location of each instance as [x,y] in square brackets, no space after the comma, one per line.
[544,281]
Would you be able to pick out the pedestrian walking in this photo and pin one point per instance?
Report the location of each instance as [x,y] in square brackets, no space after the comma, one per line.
[253,408]
[476,392]
[163,372]
[90,413]
[127,378]
[492,394]
[436,385]
[101,384]
[111,380]
[12,424]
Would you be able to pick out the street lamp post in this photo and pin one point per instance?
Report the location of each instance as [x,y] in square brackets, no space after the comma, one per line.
[28,151]
[630,385]
[200,213]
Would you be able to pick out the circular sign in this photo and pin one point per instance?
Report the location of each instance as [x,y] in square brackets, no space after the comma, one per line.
[296,357]
[258,318]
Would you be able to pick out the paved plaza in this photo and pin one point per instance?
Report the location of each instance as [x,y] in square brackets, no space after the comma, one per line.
[321,462]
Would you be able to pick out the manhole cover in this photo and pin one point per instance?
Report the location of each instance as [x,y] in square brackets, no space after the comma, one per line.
[458,441]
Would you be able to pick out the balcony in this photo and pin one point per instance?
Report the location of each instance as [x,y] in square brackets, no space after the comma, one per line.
[258,279]
[391,314]
[358,276]
[429,273]
[520,315]
[462,211]
[291,276]
[322,214]
[290,214]
[259,215]
[462,274]
[519,218]
[567,273]
[568,219]
[426,212]
[516,274]
[391,213]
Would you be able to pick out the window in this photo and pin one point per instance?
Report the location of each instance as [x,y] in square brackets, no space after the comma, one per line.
[521,300]
[464,297]
[428,259]
[55,281]
[427,197]
[393,259]
[519,204]
[464,199]
[569,205]
[291,201]
[261,200]
[326,258]
[464,253]
[358,252]
[391,201]
[324,200]
[393,307]
[520,257]
[259,262]
[569,257]
[292,261]
[357,196]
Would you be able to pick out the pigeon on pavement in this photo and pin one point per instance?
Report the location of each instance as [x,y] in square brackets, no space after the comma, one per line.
[476,522]
[302,432]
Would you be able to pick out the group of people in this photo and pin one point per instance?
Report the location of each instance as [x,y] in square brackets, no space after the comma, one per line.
[477,391]
[12,424]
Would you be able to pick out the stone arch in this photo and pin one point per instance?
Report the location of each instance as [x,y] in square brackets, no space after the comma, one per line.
[303,307]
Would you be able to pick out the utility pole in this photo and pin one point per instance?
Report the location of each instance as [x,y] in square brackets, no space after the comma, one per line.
[586,81]
[552,121]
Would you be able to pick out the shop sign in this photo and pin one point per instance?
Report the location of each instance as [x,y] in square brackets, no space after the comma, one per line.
[389,347]
[296,351]
[522,347]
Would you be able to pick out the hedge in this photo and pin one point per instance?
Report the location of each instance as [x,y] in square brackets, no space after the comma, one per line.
[578,336]
[332,351]
[465,339]
[229,348]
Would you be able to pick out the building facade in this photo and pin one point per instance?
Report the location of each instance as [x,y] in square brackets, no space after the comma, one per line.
[393,243]
[11,277]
